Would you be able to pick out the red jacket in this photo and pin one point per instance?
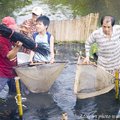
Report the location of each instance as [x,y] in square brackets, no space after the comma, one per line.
[6,66]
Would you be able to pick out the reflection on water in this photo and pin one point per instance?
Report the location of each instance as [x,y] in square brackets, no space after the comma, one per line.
[60,98]
[68,51]
[62,90]
[41,107]
[8,109]
[50,106]
[98,108]
[86,108]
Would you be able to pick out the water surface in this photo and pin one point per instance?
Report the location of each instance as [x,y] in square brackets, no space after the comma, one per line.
[60,98]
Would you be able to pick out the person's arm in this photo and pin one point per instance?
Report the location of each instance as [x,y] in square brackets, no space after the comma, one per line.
[87,52]
[52,49]
[88,44]
[24,27]
[12,53]
[31,56]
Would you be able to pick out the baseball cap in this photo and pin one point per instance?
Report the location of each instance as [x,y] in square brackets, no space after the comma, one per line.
[9,22]
[37,10]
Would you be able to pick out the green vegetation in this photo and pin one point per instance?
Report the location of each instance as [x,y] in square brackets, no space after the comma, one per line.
[94,49]
[73,41]
[7,7]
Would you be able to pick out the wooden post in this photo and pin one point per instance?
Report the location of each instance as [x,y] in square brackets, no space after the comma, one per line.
[74,29]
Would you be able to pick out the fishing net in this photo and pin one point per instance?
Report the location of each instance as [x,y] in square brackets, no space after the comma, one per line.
[39,78]
[22,58]
[92,80]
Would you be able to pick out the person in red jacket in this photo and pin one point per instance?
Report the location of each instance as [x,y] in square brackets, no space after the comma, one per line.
[8,59]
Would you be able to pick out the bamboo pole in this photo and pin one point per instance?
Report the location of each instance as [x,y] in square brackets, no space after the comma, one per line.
[18,98]
[117,84]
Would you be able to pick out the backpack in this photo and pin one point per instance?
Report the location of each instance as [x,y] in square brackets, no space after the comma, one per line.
[48,34]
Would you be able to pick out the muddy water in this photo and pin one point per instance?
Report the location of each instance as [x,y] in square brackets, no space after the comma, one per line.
[50,106]
[61,98]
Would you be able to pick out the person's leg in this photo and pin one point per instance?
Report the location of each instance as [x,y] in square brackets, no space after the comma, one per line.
[4,92]
[12,87]
[4,89]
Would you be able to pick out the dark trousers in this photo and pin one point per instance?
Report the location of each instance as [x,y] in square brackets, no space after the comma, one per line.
[11,85]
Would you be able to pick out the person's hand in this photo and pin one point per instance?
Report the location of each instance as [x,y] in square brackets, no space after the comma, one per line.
[52,60]
[86,60]
[18,44]
[31,62]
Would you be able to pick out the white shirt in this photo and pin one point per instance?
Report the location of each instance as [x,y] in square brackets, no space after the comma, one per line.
[42,39]
[108,48]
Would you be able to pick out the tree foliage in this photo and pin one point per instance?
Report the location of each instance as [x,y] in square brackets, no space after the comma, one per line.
[8,6]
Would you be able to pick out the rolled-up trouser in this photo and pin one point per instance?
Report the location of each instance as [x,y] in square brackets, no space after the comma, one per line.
[11,84]
[4,90]
[5,83]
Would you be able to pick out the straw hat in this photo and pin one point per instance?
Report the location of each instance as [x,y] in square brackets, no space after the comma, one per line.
[37,10]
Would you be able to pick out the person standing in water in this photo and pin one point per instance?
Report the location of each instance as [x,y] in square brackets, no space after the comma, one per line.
[43,36]
[107,38]
[8,59]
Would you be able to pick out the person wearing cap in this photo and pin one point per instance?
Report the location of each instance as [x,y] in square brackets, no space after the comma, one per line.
[28,27]
[8,60]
